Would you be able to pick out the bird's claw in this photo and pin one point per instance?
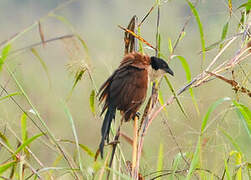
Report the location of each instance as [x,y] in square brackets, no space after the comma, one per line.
[137,114]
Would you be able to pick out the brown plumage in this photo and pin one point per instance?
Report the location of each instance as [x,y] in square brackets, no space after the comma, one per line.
[126,89]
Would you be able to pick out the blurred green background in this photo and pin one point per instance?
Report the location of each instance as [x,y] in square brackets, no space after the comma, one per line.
[96,22]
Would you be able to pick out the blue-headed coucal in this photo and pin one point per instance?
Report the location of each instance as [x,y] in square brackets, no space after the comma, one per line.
[126,88]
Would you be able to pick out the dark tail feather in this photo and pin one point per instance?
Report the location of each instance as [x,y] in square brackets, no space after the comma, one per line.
[109,116]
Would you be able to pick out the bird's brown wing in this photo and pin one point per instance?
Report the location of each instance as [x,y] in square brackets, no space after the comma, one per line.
[128,90]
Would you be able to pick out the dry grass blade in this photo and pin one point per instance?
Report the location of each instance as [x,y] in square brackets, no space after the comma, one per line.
[137,36]
[41,33]
[148,13]
[129,39]
[233,83]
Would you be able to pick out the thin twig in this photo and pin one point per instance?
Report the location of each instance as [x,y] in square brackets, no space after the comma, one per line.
[174,139]
[148,13]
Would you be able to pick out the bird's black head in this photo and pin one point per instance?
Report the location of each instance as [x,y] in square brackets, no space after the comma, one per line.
[160,64]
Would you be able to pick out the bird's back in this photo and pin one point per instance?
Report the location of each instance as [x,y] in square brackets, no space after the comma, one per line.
[126,88]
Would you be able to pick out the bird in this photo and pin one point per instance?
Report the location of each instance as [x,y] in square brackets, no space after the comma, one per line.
[125,90]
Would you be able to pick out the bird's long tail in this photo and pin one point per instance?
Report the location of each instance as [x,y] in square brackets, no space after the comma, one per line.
[109,116]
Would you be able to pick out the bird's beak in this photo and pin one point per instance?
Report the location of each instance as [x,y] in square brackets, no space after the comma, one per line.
[168,70]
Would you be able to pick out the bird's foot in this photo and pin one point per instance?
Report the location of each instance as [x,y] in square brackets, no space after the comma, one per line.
[138,114]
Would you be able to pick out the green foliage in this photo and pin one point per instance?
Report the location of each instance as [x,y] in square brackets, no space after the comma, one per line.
[245,116]
[227,170]
[210,110]
[26,143]
[83,147]
[75,136]
[224,33]
[160,157]
[176,97]
[141,49]
[246,5]
[197,17]
[4,55]
[24,131]
[42,62]
[10,95]
[24,127]
[175,165]
[188,76]
[170,46]
[6,166]
[92,101]
[233,142]
[195,161]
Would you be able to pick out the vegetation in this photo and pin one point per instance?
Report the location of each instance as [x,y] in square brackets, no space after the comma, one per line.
[194,126]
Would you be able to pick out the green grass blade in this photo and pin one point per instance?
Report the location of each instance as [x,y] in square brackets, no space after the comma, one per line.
[141,49]
[4,167]
[161,100]
[176,97]
[92,101]
[50,134]
[224,31]
[122,176]
[78,76]
[188,75]
[238,164]
[63,20]
[24,127]
[233,142]
[160,158]
[196,15]
[4,55]
[214,45]
[170,46]
[26,143]
[10,95]
[227,170]
[195,160]
[83,147]
[246,5]
[5,51]
[42,62]
[175,165]
[70,118]
[83,44]
[224,34]
[244,115]
[5,140]
[210,110]
[24,131]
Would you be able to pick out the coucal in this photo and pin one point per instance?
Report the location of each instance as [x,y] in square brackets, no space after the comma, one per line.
[126,88]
